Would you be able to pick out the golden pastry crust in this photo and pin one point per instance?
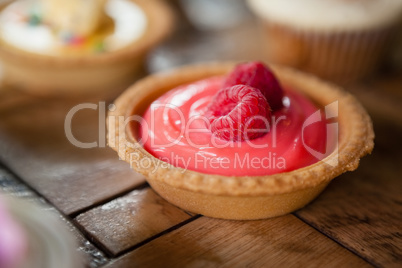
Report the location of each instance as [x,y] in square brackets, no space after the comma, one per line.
[182,187]
[50,75]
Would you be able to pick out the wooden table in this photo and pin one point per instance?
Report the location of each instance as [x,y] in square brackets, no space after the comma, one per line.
[119,221]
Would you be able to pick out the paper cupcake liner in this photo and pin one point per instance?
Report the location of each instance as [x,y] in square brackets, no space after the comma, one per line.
[339,56]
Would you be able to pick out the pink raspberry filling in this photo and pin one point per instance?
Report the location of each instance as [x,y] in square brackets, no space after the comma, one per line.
[175,129]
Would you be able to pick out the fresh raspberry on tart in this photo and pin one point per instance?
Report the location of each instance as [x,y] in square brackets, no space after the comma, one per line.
[239,113]
[256,74]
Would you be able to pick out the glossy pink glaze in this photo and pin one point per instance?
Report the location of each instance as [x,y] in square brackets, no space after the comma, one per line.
[178,134]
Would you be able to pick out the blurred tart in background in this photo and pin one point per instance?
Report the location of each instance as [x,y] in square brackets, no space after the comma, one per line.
[71,47]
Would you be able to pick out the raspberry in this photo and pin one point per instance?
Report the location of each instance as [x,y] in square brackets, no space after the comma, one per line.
[239,113]
[256,74]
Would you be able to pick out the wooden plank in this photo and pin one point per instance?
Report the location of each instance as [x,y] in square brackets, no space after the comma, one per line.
[206,242]
[363,210]
[127,221]
[34,145]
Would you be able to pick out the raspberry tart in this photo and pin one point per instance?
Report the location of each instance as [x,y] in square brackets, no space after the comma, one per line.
[241,141]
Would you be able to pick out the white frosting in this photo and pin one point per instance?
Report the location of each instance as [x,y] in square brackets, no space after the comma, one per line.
[329,14]
[130,23]
[18,33]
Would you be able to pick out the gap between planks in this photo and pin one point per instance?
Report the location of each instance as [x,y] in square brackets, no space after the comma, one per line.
[333,239]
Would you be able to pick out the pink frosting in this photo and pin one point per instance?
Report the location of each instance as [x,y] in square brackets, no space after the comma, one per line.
[174,130]
[13,242]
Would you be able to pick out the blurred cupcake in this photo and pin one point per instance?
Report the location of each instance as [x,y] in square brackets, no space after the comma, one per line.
[32,238]
[73,47]
[340,40]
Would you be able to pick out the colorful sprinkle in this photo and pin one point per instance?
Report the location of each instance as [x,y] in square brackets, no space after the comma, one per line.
[99,47]
[77,40]
[34,20]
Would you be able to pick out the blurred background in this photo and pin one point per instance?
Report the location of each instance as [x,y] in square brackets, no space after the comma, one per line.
[39,165]
[216,30]
[229,30]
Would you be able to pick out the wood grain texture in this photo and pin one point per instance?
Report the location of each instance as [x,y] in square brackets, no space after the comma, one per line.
[206,242]
[34,145]
[126,221]
[363,210]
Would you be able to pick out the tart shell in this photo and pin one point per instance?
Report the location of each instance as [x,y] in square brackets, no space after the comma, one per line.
[239,197]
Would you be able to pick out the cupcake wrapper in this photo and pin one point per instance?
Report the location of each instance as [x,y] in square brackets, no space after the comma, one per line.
[339,56]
